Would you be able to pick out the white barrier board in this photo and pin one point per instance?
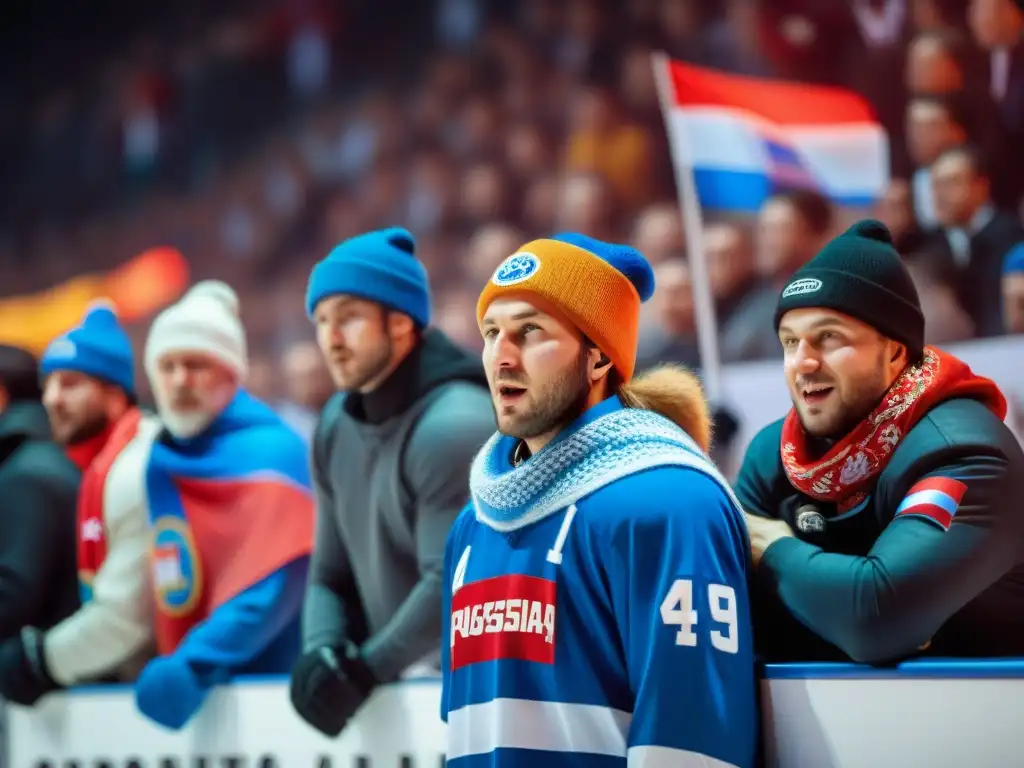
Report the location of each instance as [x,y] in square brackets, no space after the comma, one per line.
[927,715]
[249,725]
[889,722]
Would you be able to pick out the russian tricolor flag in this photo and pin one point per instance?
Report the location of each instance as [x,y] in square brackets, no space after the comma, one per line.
[745,138]
[934,498]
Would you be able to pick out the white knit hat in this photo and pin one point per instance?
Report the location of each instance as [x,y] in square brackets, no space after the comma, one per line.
[205,320]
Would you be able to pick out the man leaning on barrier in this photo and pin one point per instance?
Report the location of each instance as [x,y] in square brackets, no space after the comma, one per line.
[231,509]
[885,509]
[391,456]
[89,394]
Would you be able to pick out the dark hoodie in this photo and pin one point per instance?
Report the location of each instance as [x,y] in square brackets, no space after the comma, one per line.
[391,470]
[38,493]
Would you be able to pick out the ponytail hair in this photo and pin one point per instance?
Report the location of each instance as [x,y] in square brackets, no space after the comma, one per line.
[676,393]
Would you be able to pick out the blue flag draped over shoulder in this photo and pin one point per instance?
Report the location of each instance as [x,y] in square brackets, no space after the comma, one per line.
[228,508]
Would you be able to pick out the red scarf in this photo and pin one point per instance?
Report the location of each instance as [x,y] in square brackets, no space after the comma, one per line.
[844,474]
[91,526]
[82,453]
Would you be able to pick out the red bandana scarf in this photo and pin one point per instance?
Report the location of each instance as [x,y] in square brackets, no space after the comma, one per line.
[83,453]
[845,473]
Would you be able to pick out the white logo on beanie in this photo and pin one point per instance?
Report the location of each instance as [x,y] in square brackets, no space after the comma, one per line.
[516,268]
[63,349]
[802,286]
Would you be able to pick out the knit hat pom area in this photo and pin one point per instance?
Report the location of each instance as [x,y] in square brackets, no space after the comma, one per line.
[379,266]
[205,320]
[215,290]
[98,347]
[598,286]
[860,274]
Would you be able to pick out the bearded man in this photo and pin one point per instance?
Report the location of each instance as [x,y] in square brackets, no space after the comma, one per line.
[231,507]
[391,454]
[595,607]
[885,509]
[88,379]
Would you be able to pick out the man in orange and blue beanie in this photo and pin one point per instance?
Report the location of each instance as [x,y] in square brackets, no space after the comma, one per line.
[601,547]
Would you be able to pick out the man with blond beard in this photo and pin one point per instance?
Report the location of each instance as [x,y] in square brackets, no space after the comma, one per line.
[595,601]
[231,509]
[89,395]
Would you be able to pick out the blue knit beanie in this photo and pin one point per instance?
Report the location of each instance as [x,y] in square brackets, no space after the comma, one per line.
[1014,260]
[377,266]
[98,347]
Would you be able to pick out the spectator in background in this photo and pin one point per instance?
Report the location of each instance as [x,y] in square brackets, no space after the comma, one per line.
[585,204]
[945,320]
[734,42]
[998,27]
[658,233]
[229,496]
[38,488]
[391,458]
[488,247]
[603,141]
[1013,290]
[938,65]
[974,237]
[674,338]
[308,385]
[485,195]
[730,258]
[261,377]
[89,395]
[895,209]
[455,317]
[934,124]
[791,228]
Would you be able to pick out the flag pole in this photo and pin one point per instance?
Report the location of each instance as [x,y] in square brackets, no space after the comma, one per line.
[693,226]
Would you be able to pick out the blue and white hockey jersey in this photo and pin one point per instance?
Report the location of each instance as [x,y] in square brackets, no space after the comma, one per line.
[596,609]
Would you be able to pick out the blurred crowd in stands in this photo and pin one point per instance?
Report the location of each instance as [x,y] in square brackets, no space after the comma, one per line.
[254,135]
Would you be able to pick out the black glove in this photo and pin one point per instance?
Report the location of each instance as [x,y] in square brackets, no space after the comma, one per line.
[328,685]
[24,678]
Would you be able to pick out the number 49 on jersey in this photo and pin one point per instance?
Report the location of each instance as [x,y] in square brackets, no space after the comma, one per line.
[677,609]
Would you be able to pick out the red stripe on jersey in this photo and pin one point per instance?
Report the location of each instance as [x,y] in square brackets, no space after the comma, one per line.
[505,617]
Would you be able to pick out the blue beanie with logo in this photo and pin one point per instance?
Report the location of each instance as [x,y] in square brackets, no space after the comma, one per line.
[98,347]
[378,266]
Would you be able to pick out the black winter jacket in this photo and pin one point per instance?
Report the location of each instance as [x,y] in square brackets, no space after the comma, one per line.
[872,586]
[38,494]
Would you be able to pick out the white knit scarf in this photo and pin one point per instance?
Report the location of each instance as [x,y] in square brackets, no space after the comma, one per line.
[574,465]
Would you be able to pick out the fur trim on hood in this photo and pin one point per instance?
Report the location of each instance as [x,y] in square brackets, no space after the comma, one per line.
[676,393]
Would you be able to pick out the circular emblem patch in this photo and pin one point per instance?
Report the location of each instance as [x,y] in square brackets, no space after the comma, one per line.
[177,577]
[516,268]
[810,520]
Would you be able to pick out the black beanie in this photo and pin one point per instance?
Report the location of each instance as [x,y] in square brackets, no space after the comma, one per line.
[860,274]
